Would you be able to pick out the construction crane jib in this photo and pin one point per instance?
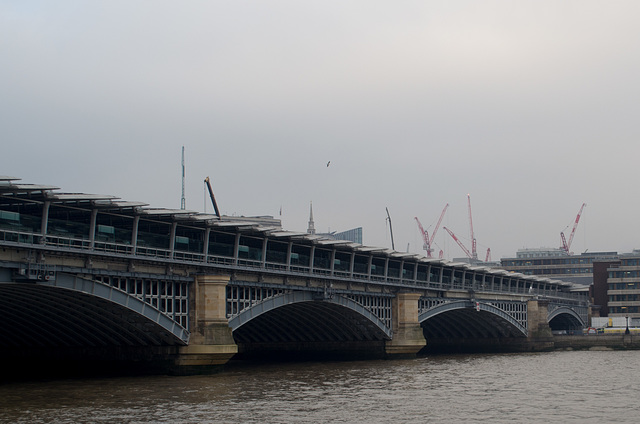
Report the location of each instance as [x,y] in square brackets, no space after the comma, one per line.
[453,236]
[566,245]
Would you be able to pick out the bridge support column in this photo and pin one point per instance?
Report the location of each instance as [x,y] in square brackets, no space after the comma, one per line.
[540,336]
[211,342]
[408,337]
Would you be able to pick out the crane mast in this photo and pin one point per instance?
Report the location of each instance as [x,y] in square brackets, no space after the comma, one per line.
[425,238]
[474,252]
[566,246]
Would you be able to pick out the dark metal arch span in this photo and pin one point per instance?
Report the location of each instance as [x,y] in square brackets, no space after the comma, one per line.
[72,311]
[565,318]
[301,317]
[461,319]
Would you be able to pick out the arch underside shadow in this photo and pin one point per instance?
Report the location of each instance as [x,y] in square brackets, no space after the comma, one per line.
[460,320]
[564,318]
[299,318]
[71,312]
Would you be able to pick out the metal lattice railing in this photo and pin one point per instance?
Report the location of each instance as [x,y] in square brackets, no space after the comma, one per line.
[170,297]
[377,305]
[241,297]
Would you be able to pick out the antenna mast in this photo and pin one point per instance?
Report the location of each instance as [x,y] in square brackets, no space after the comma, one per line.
[183,201]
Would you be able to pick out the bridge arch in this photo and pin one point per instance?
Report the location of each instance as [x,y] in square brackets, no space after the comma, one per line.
[466,319]
[303,317]
[564,318]
[71,311]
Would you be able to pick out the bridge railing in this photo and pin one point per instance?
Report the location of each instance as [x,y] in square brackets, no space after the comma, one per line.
[188,256]
[153,252]
[61,241]
[17,236]
[117,248]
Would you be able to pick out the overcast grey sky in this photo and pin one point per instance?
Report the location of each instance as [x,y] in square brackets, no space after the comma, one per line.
[531,107]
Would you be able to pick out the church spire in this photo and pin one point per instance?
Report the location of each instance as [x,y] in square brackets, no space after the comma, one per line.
[311,229]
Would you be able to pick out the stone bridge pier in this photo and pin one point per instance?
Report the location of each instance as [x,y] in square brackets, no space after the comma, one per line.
[540,336]
[211,342]
[408,337]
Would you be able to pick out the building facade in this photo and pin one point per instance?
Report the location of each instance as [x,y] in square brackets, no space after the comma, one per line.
[556,264]
[623,286]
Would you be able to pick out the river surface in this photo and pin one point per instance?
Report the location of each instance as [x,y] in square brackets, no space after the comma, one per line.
[562,387]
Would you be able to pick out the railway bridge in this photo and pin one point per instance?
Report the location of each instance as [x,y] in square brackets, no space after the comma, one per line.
[93,277]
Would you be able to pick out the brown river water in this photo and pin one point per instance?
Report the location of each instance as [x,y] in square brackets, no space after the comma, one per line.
[559,387]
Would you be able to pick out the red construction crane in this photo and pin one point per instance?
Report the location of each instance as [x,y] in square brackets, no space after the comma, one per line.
[474,253]
[566,246]
[459,242]
[425,238]
[428,241]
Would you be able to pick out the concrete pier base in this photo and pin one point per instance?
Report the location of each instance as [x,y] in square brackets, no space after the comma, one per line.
[540,336]
[408,337]
[211,344]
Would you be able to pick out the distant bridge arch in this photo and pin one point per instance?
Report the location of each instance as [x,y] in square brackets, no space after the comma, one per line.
[565,318]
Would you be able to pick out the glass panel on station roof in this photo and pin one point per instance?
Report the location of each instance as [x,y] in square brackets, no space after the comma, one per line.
[189,239]
[361,264]
[112,228]
[321,259]
[69,222]
[250,248]
[154,234]
[300,255]
[277,252]
[222,244]
[342,261]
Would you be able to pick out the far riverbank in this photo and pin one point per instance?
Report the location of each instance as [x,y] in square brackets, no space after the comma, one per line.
[597,342]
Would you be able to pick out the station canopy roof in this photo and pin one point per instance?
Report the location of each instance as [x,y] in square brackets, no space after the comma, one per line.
[266,225]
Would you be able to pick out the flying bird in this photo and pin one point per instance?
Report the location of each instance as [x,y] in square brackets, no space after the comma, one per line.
[328,163]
